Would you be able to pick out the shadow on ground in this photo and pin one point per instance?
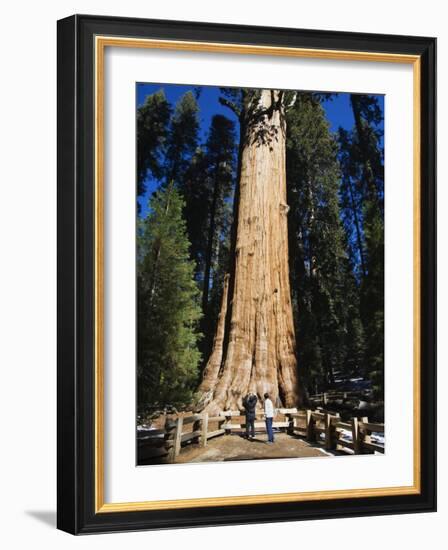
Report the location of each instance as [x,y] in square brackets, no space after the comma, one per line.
[48,517]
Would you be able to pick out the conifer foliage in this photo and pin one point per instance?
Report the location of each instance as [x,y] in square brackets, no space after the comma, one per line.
[362,193]
[152,132]
[327,316]
[266,197]
[168,306]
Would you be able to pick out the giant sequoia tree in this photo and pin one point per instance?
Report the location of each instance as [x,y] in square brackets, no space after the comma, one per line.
[255,346]
[280,238]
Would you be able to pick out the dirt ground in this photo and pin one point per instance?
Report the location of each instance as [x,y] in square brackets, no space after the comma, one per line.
[235,447]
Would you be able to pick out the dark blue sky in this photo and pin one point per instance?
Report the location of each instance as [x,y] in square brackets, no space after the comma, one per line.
[338,110]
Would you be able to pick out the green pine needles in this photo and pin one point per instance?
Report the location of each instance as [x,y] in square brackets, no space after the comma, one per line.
[335,193]
[168,305]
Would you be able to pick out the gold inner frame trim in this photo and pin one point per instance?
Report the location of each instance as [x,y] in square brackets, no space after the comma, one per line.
[101,42]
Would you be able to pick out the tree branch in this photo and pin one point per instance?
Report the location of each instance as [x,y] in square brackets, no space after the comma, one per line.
[292,102]
[281,94]
[230,105]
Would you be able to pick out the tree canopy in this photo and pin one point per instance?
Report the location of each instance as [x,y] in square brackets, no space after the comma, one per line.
[186,234]
[168,304]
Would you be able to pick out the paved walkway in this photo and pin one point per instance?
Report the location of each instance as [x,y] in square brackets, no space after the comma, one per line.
[235,447]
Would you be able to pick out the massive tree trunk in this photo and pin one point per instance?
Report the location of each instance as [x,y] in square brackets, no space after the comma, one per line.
[211,371]
[256,349]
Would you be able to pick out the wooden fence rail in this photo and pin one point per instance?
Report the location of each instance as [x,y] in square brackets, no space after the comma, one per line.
[326,398]
[316,426]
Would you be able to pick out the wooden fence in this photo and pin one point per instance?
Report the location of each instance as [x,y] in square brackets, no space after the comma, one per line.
[316,426]
[337,395]
[328,428]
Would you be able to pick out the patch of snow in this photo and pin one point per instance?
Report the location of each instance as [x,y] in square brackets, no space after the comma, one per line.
[144,428]
[346,435]
[378,438]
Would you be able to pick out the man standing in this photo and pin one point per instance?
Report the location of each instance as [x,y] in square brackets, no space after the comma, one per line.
[249,404]
[269,417]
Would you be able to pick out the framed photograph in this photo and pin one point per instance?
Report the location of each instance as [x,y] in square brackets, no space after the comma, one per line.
[246,274]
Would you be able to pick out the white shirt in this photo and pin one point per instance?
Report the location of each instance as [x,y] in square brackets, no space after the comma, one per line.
[268,408]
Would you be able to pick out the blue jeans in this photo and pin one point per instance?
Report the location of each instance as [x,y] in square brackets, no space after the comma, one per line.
[269,429]
[250,427]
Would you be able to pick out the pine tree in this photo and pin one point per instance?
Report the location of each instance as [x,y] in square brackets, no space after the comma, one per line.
[196,193]
[152,129]
[204,176]
[168,305]
[220,157]
[208,188]
[182,140]
[352,203]
[325,296]
[367,114]
[363,196]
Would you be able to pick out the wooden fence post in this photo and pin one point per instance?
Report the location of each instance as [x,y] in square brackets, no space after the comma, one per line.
[295,424]
[204,429]
[170,432]
[356,436]
[364,437]
[228,421]
[330,432]
[310,433]
[197,427]
[291,421]
[178,437]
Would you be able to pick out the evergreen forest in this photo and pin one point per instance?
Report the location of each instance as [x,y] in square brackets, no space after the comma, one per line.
[193,146]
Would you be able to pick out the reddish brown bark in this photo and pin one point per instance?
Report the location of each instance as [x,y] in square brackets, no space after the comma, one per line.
[211,371]
[260,354]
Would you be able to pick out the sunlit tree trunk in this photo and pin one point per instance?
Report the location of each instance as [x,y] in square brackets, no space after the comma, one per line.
[213,366]
[258,349]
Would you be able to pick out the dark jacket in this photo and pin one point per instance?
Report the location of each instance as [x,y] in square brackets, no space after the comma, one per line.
[249,404]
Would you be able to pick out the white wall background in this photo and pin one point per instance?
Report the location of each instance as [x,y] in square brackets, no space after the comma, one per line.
[28,270]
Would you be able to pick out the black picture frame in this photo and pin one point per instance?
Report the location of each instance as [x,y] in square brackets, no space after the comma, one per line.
[76,286]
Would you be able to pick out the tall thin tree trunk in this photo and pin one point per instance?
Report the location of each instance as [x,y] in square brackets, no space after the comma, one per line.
[260,351]
[357,227]
[211,238]
[369,188]
[158,248]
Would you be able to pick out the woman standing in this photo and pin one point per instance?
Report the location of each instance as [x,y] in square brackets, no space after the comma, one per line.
[269,417]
